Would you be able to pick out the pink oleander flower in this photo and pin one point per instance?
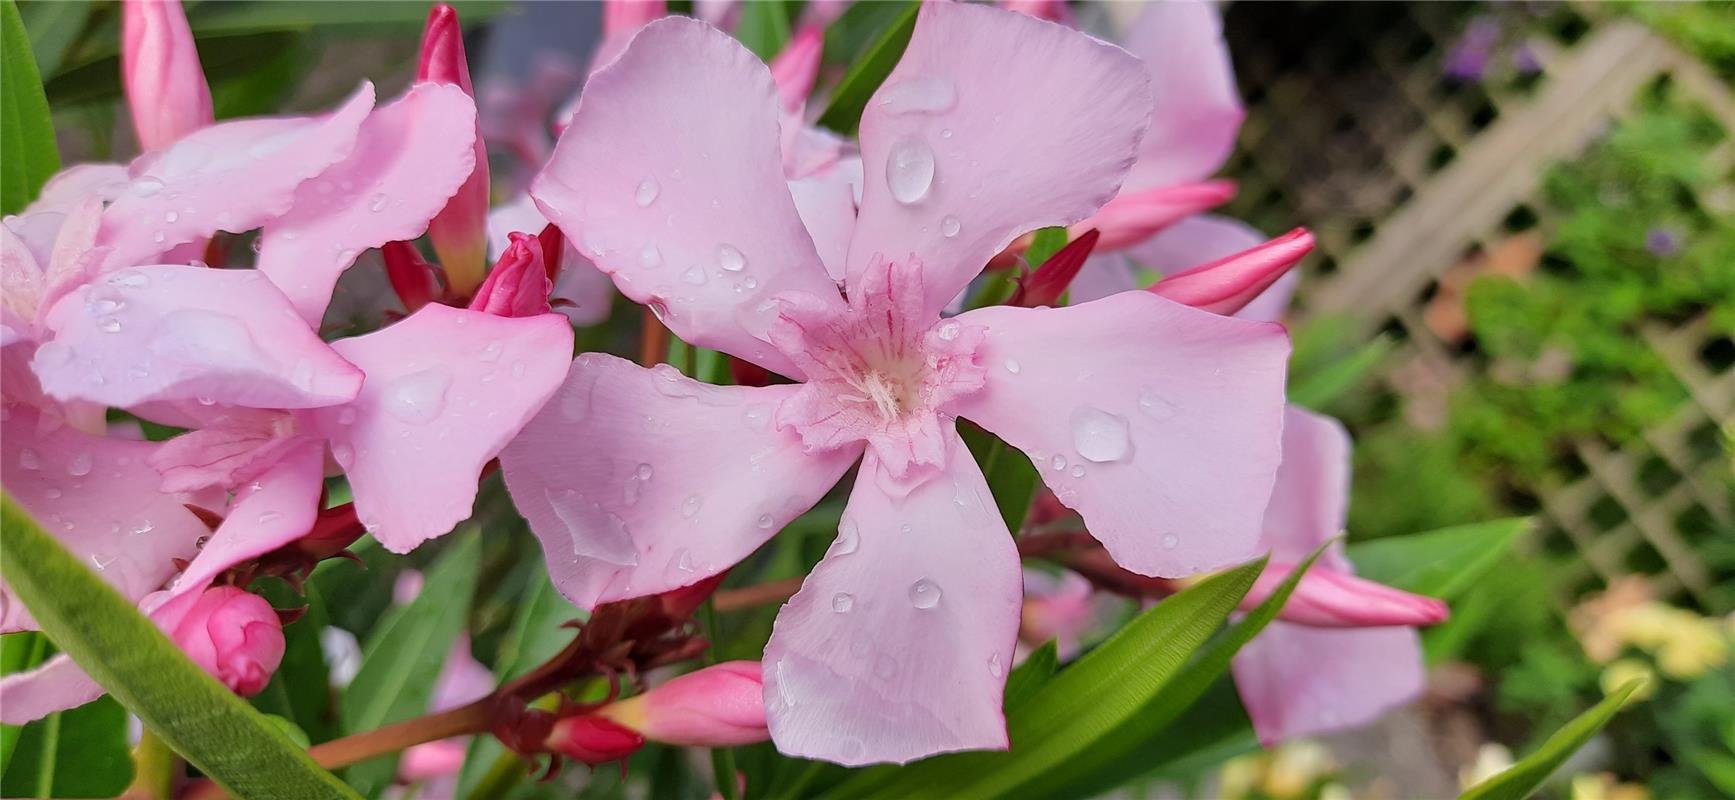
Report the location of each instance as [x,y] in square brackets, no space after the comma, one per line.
[718,706]
[1136,408]
[1061,608]
[165,86]
[411,413]
[460,231]
[235,636]
[1296,678]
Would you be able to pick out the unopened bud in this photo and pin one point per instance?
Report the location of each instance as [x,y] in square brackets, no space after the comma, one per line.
[460,230]
[593,739]
[165,86]
[1327,598]
[718,706]
[518,286]
[795,69]
[1134,217]
[1228,284]
[235,636]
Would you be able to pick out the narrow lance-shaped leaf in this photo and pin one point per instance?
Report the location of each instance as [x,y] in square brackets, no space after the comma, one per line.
[28,155]
[129,657]
[403,658]
[1437,563]
[1525,777]
[868,72]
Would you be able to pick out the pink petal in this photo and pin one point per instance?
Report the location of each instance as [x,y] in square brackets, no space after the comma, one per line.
[98,497]
[184,333]
[232,446]
[680,195]
[1310,500]
[446,389]
[267,514]
[993,124]
[826,204]
[70,185]
[1299,681]
[641,481]
[1230,284]
[898,644]
[1197,113]
[231,177]
[410,157]
[1158,422]
[1194,241]
[58,684]
[1103,274]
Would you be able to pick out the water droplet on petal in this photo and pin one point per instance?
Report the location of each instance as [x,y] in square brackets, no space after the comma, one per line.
[146,186]
[1057,462]
[730,259]
[842,602]
[378,203]
[650,257]
[419,397]
[269,517]
[646,194]
[694,275]
[1170,541]
[1100,436]
[690,506]
[950,226]
[757,416]
[492,351]
[995,668]
[1154,405]
[109,325]
[130,279]
[1078,472]
[171,217]
[910,169]
[764,521]
[924,594]
[142,527]
[28,459]
[949,331]
[1012,366]
[79,466]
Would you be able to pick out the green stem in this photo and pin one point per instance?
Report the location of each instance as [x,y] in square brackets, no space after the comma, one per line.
[505,773]
[50,751]
[154,765]
[722,758]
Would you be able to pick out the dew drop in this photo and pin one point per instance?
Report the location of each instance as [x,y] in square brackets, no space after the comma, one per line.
[142,527]
[146,186]
[924,594]
[419,397]
[79,466]
[492,351]
[949,331]
[646,194]
[757,416]
[910,169]
[268,517]
[378,203]
[1100,436]
[650,257]
[949,227]
[730,259]
[842,602]
[171,217]
[1012,366]
[764,521]
[694,275]
[130,279]
[690,506]
[1170,541]
[28,459]
[109,325]
[1078,472]
[996,668]
[1057,462]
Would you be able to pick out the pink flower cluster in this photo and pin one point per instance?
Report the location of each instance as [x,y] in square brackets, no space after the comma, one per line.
[1158,416]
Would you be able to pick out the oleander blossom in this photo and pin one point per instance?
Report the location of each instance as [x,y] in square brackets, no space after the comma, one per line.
[1158,422]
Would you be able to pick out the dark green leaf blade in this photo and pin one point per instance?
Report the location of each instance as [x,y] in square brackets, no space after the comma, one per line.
[764,27]
[1437,563]
[28,155]
[868,72]
[126,654]
[1524,777]
[83,750]
[403,657]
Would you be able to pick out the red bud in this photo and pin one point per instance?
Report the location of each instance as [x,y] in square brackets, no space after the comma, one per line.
[1049,281]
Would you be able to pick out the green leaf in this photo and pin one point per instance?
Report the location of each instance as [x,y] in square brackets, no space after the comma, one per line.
[122,651]
[28,155]
[403,657]
[1129,751]
[18,652]
[300,691]
[868,72]
[1318,389]
[536,636]
[52,28]
[1084,707]
[1437,563]
[1526,776]
[81,752]
[1044,243]
[1029,677]
[1012,477]
[764,26]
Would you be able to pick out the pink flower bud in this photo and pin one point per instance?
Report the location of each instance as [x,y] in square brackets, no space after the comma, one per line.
[460,230]
[165,85]
[410,276]
[1049,281]
[233,635]
[518,286]
[1326,598]
[593,739]
[796,68]
[1228,284]
[1132,218]
[625,17]
[718,706]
